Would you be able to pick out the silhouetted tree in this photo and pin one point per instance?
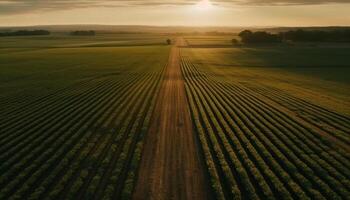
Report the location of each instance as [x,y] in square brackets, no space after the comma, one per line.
[299,35]
[234,41]
[259,37]
[83,33]
[316,36]
[25,33]
[168,41]
[245,33]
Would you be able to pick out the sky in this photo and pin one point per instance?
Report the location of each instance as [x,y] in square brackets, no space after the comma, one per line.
[176,12]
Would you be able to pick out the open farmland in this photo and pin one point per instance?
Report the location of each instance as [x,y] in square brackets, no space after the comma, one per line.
[209,40]
[124,116]
[267,132]
[57,40]
[73,119]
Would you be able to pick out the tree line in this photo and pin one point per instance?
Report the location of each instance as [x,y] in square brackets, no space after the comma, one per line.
[300,35]
[43,32]
[24,33]
[83,33]
[316,36]
[248,36]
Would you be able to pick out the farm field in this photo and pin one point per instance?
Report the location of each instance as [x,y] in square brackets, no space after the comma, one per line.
[267,131]
[57,40]
[209,40]
[73,119]
[174,100]
[125,116]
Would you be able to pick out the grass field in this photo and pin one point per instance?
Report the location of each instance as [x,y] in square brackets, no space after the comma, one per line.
[124,116]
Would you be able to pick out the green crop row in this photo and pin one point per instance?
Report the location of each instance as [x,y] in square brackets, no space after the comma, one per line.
[71,145]
[275,155]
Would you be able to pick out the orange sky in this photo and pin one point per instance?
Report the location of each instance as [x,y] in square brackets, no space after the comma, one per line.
[176,12]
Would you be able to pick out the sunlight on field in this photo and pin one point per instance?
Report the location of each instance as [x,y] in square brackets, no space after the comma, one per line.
[319,81]
[94,116]
[174,99]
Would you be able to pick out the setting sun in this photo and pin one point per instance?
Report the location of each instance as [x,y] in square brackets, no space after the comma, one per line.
[174,99]
[204,5]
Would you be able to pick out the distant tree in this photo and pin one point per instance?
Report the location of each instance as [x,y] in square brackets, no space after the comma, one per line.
[168,41]
[83,33]
[259,37]
[234,41]
[245,34]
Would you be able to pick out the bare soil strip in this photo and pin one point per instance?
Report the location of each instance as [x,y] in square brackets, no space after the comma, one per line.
[170,166]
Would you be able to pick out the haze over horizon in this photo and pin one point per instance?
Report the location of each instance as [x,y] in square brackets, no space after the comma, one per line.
[176,13]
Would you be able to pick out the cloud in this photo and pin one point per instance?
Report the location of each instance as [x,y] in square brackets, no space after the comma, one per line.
[281,2]
[22,6]
[8,7]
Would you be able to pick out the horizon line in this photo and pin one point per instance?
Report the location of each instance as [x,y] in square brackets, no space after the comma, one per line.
[173,26]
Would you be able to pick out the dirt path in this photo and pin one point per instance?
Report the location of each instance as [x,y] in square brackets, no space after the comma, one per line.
[171,166]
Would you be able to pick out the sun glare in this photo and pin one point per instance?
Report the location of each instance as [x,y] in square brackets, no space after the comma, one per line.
[204,5]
